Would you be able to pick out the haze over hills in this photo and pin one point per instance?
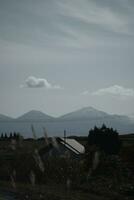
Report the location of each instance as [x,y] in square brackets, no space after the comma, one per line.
[78,122]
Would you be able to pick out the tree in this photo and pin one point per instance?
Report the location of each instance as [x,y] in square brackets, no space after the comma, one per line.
[18,136]
[105,138]
[14,135]
[2,136]
[11,135]
[6,136]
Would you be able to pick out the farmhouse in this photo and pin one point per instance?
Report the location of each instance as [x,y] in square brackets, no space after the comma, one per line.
[62,147]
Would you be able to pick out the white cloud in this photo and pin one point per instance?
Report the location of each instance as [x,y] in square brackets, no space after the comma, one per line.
[90,12]
[86,92]
[115,90]
[34,82]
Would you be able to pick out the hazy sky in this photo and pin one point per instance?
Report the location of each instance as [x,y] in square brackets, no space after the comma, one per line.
[60,55]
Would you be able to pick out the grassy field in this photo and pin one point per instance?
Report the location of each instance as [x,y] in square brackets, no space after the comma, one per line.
[112,180]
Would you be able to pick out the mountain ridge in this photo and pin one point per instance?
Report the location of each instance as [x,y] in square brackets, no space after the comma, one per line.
[82,113]
[78,122]
[5,117]
[34,115]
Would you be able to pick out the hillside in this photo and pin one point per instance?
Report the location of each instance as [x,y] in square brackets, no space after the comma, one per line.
[5,118]
[84,113]
[34,115]
[78,122]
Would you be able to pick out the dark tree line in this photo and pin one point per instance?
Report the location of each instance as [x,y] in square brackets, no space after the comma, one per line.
[107,139]
[5,136]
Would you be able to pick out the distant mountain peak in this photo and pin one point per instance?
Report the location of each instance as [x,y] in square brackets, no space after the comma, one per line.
[78,122]
[84,113]
[35,115]
[34,112]
[88,109]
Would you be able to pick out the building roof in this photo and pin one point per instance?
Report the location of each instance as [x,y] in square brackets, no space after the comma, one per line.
[72,145]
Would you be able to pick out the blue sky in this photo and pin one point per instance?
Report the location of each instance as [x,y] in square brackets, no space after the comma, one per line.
[57,56]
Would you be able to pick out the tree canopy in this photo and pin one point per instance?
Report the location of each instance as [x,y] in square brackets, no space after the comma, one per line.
[107,139]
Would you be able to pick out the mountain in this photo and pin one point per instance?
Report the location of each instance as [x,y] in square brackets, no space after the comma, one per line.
[84,113]
[131,116]
[92,114]
[34,116]
[5,118]
[78,122]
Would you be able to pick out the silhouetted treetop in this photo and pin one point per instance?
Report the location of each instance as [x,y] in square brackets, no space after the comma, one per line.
[105,138]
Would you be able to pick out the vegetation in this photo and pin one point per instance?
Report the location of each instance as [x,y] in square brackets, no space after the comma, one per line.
[105,138]
[14,135]
[24,172]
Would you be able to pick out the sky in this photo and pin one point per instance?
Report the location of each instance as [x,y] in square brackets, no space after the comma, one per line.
[57,56]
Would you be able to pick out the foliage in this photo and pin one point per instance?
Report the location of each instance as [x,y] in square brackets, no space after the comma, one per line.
[105,138]
[19,166]
[11,136]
